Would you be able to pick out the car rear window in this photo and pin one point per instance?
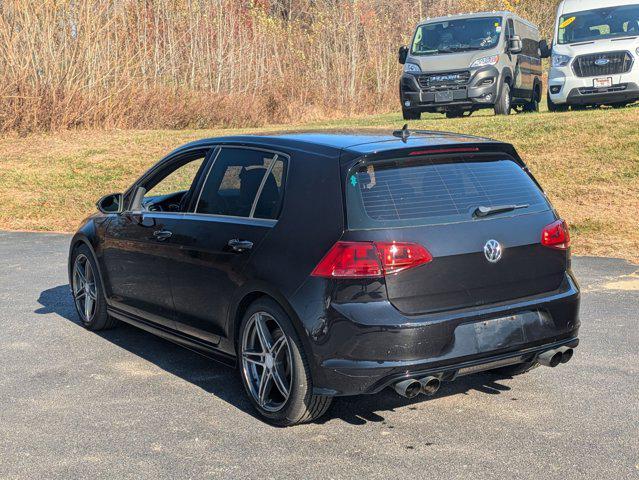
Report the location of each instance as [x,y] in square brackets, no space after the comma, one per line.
[425,191]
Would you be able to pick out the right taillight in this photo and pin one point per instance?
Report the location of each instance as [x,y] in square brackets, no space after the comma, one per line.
[370,259]
[556,235]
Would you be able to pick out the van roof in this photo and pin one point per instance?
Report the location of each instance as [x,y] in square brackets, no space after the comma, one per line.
[358,142]
[494,13]
[572,6]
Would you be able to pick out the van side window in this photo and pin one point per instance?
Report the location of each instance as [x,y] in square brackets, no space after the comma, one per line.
[243,183]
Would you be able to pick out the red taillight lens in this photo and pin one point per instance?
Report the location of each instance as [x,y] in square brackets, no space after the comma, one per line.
[556,235]
[370,259]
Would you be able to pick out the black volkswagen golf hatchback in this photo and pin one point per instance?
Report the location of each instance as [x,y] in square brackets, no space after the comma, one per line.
[324,265]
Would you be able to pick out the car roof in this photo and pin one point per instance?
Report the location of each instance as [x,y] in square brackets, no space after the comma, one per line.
[358,142]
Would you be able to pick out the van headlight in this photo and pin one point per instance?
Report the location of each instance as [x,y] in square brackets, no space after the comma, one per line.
[485,61]
[412,68]
[560,60]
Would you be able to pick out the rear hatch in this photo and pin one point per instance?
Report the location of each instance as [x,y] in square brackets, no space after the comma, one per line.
[480,215]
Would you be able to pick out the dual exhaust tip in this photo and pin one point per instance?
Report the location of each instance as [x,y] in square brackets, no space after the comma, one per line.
[430,385]
[411,388]
[553,358]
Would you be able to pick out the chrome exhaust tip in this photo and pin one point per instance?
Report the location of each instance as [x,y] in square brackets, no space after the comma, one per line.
[408,388]
[551,358]
[430,385]
[566,354]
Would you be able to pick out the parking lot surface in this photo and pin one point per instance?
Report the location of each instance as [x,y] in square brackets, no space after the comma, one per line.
[125,404]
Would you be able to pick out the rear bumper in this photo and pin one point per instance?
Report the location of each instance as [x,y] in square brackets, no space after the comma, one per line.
[476,94]
[363,348]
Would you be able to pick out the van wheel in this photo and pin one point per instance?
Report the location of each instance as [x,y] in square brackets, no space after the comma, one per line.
[274,368]
[533,105]
[411,114]
[554,107]
[504,102]
[455,114]
[88,295]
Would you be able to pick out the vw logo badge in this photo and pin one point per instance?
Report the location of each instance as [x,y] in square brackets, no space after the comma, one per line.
[493,251]
[602,62]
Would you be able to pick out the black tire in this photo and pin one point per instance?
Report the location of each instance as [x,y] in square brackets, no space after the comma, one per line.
[504,101]
[514,370]
[455,114]
[411,114]
[302,406]
[620,105]
[554,107]
[533,105]
[99,319]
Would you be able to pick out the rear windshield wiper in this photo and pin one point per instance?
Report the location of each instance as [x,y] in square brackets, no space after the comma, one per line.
[482,212]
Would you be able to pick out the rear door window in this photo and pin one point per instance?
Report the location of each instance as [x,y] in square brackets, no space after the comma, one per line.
[423,191]
[243,183]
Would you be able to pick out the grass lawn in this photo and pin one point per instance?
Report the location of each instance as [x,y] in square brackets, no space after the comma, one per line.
[587,161]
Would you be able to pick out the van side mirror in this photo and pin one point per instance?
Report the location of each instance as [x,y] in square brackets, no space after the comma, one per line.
[515,44]
[403,54]
[112,203]
[544,50]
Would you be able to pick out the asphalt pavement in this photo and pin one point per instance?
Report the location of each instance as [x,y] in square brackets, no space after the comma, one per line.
[125,404]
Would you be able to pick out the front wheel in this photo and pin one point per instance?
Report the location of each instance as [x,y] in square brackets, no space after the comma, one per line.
[88,295]
[274,368]
[504,102]
[411,114]
[555,107]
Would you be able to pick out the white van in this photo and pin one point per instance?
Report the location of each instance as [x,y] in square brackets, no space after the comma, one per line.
[595,57]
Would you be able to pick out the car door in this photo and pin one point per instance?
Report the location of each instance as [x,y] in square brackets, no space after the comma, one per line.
[136,243]
[236,208]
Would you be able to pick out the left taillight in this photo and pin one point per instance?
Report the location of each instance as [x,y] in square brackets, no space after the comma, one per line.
[371,259]
[556,235]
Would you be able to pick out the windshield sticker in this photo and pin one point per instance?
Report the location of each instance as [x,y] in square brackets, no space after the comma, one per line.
[498,29]
[567,22]
[353,180]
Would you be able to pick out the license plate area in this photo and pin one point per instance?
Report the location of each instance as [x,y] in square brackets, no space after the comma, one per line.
[605,82]
[499,333]
[443,97]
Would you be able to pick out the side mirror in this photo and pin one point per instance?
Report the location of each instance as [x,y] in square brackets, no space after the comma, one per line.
[112,203]
[403,54]
[515,44]
[544,50]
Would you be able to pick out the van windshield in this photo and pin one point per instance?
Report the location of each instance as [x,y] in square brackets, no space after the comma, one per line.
[457,36]
[599,24]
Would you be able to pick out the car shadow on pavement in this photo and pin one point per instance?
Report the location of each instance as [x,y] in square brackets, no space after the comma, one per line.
[224,382]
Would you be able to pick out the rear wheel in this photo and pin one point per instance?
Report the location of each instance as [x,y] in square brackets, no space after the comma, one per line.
[274,369]
[504,102]
[411,114]
[88,295]
[533,105]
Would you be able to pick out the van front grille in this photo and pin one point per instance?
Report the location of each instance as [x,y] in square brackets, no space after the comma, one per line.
[435,80]
[600,64]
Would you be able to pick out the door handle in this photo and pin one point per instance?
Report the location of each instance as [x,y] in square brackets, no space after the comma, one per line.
[162,235]
[240,246]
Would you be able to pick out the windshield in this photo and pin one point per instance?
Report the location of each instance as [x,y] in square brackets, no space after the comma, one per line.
[457,36]
[598,24]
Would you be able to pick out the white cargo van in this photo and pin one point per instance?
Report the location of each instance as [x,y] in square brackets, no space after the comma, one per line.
[595,58]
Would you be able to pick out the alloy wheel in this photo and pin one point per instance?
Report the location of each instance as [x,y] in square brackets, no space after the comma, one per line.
[84,288]
[266,362]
